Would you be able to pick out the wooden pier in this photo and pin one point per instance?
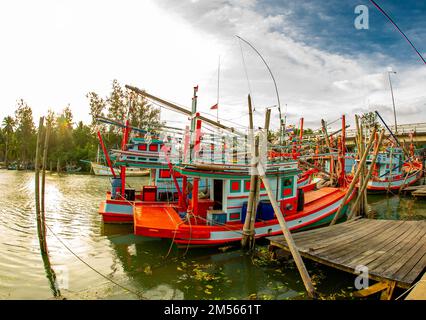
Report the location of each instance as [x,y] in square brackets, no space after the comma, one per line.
[416,191]
[393,251]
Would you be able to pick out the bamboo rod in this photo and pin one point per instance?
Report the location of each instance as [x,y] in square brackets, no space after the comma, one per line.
[355,178]
[40,228]
[327,141]
[367,178]
[43,175]
[287,235]
[248,233]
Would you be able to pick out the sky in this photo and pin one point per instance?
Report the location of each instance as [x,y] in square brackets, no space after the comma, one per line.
[54,52]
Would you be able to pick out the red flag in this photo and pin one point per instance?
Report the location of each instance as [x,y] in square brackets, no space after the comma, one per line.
[214,107]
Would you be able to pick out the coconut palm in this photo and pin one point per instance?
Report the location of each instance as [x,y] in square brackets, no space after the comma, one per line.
[8,130]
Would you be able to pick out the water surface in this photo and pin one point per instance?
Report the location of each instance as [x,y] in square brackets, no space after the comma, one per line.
[150,267]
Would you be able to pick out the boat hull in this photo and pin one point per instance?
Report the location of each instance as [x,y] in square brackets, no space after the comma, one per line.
[164,222]
[375,186]
[101,170]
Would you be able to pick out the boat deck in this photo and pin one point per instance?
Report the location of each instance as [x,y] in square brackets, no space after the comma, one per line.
[156,216]
[394,251]
[315,195]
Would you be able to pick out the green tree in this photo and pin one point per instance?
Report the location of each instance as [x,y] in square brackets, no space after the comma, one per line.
[142,114]
[25,132]
[97,106]
[8,132]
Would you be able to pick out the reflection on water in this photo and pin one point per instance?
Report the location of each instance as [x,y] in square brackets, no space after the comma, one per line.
[397,208]
[146,265]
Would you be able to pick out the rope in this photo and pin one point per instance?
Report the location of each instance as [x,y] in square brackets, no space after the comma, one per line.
[409,289]
[245,70]
[93,269]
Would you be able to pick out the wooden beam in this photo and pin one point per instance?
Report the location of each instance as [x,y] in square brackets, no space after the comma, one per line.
[287,235]
[385,287]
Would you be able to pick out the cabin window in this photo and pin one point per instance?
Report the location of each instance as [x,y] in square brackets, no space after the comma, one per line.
[142,147]
[234,216]
[235,186]
[165,173]
[287,187]
[246,185]
[153,147]
[132,158]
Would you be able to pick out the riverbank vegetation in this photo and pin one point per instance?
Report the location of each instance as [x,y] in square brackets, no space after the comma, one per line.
[70,142]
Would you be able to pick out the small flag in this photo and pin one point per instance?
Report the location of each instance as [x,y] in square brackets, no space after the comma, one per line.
[196,88]
[214,107]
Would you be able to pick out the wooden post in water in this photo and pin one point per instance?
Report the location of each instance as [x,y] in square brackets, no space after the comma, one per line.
[355,178]
[287,235]
[43,175]
[40,211]
[40,228]
[370,171]
[248,232]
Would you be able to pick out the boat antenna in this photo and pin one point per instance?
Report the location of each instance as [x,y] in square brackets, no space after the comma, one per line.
[273,79]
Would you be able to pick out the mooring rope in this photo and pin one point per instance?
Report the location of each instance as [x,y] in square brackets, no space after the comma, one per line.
[409,289]
[92,268]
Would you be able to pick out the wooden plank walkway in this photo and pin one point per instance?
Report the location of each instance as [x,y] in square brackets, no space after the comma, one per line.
[416,191]
[419,291]
[393,251]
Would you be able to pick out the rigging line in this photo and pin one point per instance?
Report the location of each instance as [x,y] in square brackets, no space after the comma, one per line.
[245,69]
[93,269]
[270,72]
[400,31]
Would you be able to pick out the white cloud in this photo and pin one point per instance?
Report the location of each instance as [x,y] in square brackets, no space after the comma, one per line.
[54,52]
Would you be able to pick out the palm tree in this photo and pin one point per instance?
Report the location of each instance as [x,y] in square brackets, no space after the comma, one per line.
[8,129]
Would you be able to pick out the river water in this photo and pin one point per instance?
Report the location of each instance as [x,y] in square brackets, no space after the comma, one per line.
[146,268]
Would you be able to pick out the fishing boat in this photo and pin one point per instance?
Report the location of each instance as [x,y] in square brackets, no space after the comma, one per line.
[103,170]
[217,215]
[391,171]
[140,154]
[72,168]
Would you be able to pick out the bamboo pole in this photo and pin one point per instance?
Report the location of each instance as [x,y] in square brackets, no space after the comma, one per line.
[361,177]
[40,228]
[327,141]
[287,235]
[43,175]
[370,171]
[248,233]
[355,178]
